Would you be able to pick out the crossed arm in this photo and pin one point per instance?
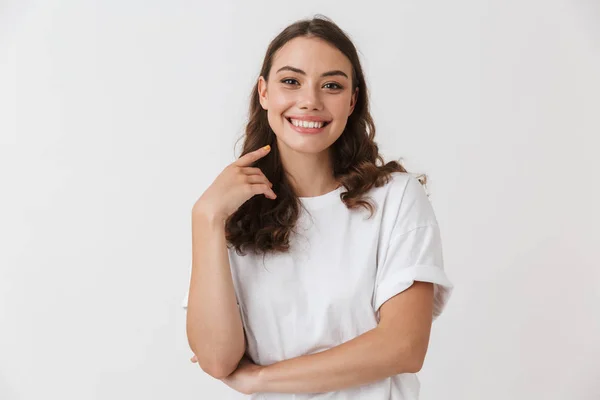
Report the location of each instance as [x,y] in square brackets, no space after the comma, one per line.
[397,345]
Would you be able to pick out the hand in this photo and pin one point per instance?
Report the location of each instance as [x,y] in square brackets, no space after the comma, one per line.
[237,183]
[245,379]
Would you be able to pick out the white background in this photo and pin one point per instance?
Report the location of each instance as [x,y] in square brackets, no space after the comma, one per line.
[116,115]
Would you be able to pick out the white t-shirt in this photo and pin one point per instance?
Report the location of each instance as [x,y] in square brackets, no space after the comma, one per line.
[341,267]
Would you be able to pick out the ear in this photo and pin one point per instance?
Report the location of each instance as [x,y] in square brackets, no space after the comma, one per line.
[262,93]
[353,101]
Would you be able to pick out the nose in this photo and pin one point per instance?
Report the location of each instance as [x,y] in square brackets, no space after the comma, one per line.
[310,98]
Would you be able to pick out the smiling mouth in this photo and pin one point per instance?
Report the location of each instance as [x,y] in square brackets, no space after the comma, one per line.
[323,126]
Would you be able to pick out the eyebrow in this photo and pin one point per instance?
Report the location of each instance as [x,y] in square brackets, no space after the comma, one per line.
[297,70]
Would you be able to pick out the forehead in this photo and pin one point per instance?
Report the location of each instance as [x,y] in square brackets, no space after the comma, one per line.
[312,55]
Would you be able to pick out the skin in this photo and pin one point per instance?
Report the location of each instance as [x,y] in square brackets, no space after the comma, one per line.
[307,158]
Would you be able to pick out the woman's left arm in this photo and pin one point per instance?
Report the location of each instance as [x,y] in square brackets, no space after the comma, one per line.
[397,345]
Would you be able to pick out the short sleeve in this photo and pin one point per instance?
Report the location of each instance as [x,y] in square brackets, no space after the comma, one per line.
[414,251]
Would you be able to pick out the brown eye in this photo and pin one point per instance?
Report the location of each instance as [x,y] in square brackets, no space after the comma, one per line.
[335,84]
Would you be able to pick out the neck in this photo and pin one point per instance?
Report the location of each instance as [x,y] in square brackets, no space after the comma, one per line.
[310,174]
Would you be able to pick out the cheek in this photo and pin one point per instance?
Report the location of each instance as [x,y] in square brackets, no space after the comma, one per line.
[279,104]
[281,100]
[339,106]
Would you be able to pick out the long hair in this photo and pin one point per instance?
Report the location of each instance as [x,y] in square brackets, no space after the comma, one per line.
[264,225]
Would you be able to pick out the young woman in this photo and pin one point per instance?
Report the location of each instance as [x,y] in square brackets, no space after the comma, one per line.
[316,271]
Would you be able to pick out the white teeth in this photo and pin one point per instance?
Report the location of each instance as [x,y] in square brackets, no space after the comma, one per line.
[307,124]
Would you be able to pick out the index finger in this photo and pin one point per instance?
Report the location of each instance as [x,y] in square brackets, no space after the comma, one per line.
[249,158]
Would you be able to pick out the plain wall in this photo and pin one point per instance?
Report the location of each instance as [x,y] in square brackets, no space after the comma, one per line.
[116,115]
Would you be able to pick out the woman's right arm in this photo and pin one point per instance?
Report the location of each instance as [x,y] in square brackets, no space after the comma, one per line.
[213,324]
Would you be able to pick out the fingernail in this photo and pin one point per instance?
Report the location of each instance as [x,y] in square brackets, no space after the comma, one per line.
[267,147]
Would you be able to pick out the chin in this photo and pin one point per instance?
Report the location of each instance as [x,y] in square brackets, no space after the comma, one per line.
[314,147]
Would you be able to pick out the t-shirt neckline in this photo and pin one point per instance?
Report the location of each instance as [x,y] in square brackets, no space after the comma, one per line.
[322,200]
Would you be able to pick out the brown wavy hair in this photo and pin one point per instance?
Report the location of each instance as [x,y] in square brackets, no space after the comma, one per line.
[264,225]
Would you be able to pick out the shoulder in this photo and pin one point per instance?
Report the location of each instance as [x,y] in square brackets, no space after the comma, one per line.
[403,186]
[407,202]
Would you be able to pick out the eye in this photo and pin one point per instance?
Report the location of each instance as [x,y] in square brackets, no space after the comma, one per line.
[288,79]
[333,83]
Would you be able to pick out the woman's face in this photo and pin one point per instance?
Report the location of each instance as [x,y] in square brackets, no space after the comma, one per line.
[296,87]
